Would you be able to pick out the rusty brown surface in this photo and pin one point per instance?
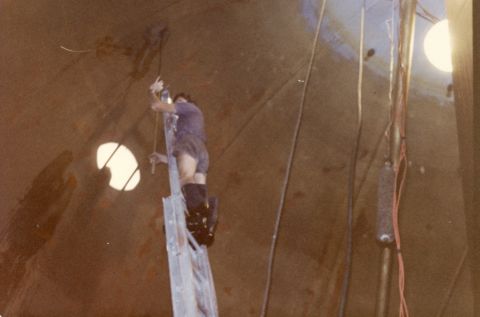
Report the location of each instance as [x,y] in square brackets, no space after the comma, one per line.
[99,252]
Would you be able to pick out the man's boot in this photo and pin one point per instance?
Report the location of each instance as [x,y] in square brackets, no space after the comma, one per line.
[212,220]
[197,207]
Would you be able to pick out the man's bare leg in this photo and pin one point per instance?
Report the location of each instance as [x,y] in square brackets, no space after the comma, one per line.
[187,166]
[193,184]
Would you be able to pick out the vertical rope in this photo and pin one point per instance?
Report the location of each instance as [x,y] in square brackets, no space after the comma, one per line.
[164,38]
[289,166]
[391,36]
[155,136]
[399,186]
[351,179]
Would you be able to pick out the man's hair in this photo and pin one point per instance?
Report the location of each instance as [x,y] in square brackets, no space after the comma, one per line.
[184,96]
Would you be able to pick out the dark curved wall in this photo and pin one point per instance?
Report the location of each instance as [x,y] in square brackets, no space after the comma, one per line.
[73,246]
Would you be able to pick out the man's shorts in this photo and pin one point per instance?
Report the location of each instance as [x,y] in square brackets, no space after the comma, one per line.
[195,147]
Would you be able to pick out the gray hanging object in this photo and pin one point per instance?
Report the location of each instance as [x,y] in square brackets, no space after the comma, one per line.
[386,185]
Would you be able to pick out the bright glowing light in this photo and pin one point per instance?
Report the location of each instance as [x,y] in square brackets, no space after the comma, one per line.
[437,46]
[122,165]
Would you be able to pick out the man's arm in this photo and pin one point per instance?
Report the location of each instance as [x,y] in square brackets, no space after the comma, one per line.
[158,105]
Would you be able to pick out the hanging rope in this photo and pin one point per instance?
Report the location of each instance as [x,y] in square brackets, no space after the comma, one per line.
[391,26]
[399,186]
[164,38]
[351,178]
[400,175]
[289,166]
[453,282]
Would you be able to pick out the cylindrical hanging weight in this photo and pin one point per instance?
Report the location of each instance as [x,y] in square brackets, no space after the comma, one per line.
[386,186]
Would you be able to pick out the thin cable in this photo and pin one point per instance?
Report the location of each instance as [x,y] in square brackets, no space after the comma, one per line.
[403,310]
[351,178]
[155,137]
[426,18]
[157,115]
[398,190]
[129,179]
[427,14]
[111,155]
[453,282]
[391,36]
[289,167]
[75,51]
[399,184]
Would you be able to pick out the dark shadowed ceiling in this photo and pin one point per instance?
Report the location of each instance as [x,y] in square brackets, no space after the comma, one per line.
[75,75]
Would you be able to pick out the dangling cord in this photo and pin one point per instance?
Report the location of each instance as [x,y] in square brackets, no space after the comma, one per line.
[289,166]
[157,115]
[400,182]
[155,136]
[351,178]
[400,176]
[391,36]
[401,168]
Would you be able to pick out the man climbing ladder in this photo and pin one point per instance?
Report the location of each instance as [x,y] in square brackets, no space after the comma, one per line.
[192,160]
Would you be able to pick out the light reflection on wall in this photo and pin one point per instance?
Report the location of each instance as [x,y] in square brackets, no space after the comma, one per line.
[122,164]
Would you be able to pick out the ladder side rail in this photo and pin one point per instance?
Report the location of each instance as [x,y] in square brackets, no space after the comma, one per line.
[189,296]
[176,281]
[209,285]
[181,274]
[207,296]
[199,276]
[169,123]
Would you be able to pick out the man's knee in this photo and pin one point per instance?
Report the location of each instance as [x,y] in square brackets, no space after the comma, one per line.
[200,178]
